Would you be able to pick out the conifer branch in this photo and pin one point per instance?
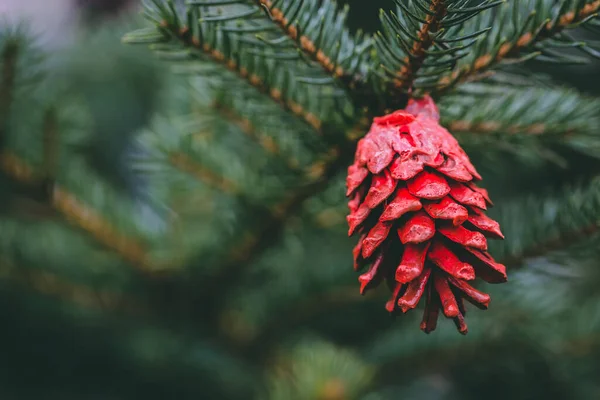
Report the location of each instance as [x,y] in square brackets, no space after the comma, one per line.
[272,221]
[551,114]
[254,241]
[560,242]
[513,48]
[49,284]
[184,35]
[80,214]
[306,44]
[425,39]
[13,166]
[248,128]
[414,60]
[186,164]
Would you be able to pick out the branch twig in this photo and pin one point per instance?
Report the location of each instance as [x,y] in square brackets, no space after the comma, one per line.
[414,61]
[185,35]
[512,49]
[308,46]
[80,215]
[186,164]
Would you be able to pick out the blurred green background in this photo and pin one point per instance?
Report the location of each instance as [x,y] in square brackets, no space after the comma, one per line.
[79,322]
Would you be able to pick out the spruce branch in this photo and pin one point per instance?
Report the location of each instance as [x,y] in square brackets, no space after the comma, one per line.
[257,239]
[414,60]
[13,166]
[52,285]
[320,32]
[185,35]
[545,323]
[85,218]
[551,114]
[560,242]
[237,35]
[523,47]
[554,221]
[79,214]
[318,370]
[249,129]
[423,40]
[258,83]
[188,165]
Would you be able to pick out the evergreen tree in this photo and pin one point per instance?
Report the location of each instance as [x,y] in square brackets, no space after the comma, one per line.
[173,221]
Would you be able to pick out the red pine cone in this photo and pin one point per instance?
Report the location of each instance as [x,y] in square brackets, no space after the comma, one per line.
[411,177]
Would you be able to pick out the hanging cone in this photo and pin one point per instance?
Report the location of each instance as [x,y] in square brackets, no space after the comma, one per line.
[412,187]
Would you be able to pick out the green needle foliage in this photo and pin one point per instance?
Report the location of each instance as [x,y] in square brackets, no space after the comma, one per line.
[172,218]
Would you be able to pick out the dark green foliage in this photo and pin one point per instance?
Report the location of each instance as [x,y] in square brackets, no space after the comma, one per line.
[186,216]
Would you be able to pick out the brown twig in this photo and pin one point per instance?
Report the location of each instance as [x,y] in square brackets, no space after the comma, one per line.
[15,167]
[80,214]
[185,35]
[306,44]
[511,49]
[186,164]
[414,61]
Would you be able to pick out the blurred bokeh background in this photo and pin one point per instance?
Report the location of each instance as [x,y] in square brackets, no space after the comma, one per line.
[142,282]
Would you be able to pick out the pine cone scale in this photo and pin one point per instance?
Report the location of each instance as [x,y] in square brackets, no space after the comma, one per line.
[414,291]
[402,203]
[413,262]
[447,261]
[382,187]
[418,229]
[428,185]
[448,209]
[449,304]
